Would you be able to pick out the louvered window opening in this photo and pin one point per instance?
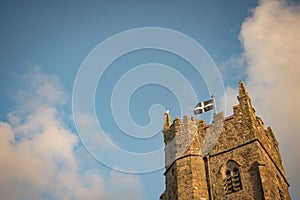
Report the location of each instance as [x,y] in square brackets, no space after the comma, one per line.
[232,181]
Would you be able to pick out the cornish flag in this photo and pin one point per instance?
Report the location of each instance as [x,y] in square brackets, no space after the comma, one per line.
[203,106]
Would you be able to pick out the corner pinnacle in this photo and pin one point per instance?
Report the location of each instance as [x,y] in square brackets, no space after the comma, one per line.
[167,123]
[242,89]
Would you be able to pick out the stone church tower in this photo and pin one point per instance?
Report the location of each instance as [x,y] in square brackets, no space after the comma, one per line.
[234,158]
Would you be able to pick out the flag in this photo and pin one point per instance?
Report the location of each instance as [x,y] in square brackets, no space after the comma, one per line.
[203,107]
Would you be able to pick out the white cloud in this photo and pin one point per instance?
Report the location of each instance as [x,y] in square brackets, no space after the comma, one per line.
[270,38]
[233,69]
[37,157]
[87,124]
[231,100]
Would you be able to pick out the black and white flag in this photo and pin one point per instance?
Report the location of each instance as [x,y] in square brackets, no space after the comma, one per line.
[203,106]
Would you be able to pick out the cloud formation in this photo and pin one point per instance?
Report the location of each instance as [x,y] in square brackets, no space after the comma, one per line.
[270,38]
[38,152]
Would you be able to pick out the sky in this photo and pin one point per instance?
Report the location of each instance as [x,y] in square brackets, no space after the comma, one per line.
[84,86]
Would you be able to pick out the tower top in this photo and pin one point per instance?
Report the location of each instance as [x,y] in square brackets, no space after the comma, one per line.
[231,158]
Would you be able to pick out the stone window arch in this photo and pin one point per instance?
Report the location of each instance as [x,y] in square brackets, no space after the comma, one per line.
[231,177]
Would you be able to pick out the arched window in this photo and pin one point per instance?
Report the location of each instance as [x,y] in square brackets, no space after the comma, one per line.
[231,177]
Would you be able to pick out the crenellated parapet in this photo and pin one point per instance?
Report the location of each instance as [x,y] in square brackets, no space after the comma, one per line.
[185,168]
[180,137]
[235,157]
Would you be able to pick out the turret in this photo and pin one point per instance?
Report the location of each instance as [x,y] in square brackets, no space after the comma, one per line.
[185,168]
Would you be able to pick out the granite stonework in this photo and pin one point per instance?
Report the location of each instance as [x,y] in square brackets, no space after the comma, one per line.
[234,158]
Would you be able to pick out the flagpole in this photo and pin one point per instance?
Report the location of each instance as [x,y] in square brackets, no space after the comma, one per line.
[214,104]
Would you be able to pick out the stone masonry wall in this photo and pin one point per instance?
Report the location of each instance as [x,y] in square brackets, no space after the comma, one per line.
[185,169]
[245,156]
[273,181]
[198,157]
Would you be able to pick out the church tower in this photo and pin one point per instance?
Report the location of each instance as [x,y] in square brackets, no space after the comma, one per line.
[233,158]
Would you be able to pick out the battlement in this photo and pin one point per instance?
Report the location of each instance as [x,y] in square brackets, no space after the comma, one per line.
[199,156]
[190,136]
[171,130]
[180,137]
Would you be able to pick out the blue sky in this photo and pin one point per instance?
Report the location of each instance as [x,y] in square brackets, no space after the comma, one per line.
[44,44]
